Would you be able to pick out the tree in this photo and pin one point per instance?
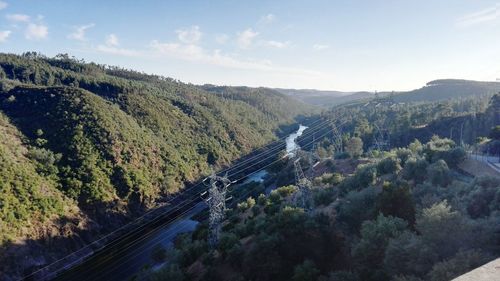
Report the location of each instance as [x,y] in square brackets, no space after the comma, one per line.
[415,169]
[388,165]
[306,271]
[355,147]
[171,272]
[159,254]
[444,230]
[370,251]
[408,254]
[396,200]
[461,263]
[495,132]
[439,173]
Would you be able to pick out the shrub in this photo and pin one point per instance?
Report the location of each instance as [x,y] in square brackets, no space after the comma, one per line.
[388,166]
[354,147]
[439,173]
[306,271]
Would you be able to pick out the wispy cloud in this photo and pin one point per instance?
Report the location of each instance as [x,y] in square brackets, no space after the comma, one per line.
[79,32]
[216,57]
[486,15]
[267,19]
[277,44]
[112,40]
[18,17]
[319,47]
[36,31]
[113,50]
[4,34]
[221,38]
[189,36]
[245,38]
[3,5]
[187,48]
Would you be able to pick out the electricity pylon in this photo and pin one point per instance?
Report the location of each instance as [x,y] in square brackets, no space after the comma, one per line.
[382,139]
[313,158]
[216,201]
[303,198]
[337,139]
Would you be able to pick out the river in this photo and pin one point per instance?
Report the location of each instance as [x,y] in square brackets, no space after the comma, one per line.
[125,265]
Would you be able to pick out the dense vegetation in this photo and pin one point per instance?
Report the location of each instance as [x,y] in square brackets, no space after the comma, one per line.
[108,143]
[406,215]
[437,90]
[407,212]
[383,121]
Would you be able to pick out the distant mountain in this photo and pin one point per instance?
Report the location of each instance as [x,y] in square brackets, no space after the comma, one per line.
[448,88]
[433,91]
[324,98]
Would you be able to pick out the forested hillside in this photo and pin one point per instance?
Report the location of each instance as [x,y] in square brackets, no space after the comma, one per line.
[393,201]
[104,144]
[390,124]
[408,214]
[437,90]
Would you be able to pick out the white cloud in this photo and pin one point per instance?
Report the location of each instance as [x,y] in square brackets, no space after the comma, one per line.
[197,54]
[36,31]
[221,38]
[486,15]
[267,19]
[3,5]
[118,51]
[4,34]
[79,33]
[319,47]
[277,44]
[112,40]
[18,17]
[189,36]
[245,38]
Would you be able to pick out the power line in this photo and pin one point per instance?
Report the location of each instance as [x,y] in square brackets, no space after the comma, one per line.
[138,219]
[319,125]
[175,218]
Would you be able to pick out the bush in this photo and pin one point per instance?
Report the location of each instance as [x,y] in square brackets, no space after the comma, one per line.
[170,272]
[388,166]
[396,200]
[439,173]
[329,179]
[356,208]
[408,254]
[342,155]
[159,253]
[306,271]
[323,196]
[369,252]
[354,147]
[415,169]
[461,263]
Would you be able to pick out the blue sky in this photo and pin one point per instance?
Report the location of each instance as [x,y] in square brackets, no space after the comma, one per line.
[335,45]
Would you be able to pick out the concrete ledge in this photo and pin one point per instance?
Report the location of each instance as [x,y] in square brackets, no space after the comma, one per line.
[487,272]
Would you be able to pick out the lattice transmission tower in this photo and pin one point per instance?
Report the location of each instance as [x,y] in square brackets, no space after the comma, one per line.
[215,197]
[303,197]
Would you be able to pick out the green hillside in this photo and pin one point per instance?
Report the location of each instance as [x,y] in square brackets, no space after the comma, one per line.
[108,144]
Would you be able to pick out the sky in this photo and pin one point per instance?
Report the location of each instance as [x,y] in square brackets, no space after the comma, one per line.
[346,45]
